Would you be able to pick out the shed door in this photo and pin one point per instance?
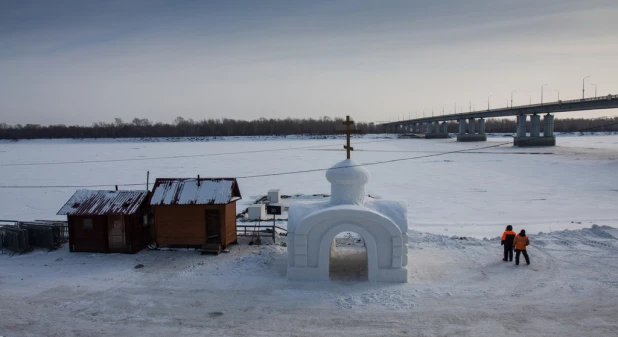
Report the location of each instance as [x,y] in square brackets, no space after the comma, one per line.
[116,233]
[213,227]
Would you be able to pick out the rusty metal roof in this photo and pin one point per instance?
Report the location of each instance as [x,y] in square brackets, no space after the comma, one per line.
[187,191]
[96,202]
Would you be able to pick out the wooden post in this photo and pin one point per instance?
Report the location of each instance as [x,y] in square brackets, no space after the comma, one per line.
[147,179]
[198,180]
[116,187]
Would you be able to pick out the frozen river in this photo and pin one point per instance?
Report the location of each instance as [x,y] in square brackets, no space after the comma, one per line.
[472,193]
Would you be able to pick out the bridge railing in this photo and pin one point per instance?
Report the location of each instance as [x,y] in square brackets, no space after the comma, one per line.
[598,98]
[589,99]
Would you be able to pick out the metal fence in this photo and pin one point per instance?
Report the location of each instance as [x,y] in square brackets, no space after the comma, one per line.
[14,239]
[260,229]
[24,236]
[63,228]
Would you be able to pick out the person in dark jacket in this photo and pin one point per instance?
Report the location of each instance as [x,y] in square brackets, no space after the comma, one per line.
[507,241]
[520,242]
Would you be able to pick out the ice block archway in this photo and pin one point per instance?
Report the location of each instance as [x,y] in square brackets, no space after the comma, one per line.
[382,225]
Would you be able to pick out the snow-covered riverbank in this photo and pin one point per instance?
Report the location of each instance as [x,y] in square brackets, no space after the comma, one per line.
[457,287]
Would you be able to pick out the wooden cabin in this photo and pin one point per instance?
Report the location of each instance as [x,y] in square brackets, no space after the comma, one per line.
[195,212]
[107,221]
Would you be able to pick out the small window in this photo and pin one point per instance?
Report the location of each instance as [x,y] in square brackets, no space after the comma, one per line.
[88,224]
[145,220]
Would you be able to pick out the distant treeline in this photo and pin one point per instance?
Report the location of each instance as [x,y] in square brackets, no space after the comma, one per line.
[181,127]
[141,127]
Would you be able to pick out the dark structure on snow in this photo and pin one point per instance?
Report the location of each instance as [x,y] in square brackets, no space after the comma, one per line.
[195,212]
[107,221]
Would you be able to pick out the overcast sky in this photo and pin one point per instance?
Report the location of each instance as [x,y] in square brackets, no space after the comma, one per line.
[78,62]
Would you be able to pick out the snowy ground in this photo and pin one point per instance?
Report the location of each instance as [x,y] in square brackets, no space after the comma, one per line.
[457,286]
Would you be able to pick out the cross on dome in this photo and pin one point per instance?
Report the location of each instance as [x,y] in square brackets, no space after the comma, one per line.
[348,122]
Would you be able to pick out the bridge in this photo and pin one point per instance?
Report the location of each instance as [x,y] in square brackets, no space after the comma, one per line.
[472,124]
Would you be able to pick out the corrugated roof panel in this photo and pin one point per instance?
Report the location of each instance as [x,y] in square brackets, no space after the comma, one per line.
[188,193]
[170,192]
[218,191]
[96,202]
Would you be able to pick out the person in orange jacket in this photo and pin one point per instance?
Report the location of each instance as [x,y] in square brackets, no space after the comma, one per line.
[521,241]
[507,241]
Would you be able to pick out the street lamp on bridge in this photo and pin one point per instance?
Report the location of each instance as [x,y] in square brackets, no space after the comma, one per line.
[488,101]
[584,87]
[542,92]
[595,89]
[512,97]
[558,91]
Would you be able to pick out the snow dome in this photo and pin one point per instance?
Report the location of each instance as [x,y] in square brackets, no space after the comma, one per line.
[382,224]
[348,181]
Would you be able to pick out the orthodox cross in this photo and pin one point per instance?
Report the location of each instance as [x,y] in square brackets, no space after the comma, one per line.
[347,133]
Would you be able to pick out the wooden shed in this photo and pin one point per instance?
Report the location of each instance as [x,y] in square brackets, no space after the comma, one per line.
[107,221]
[195,212]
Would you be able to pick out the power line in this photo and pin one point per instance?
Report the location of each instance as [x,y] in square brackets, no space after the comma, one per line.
[180,156]
[323,169]
[370,164]
[71,186]
[417,157]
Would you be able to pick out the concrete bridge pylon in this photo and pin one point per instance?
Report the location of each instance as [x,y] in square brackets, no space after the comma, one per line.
[522,139]
[472,135]
[436,130]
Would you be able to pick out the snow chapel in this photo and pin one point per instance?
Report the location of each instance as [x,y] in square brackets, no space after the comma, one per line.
[382,224]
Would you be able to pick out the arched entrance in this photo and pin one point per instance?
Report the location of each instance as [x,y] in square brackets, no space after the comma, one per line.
[369,247]
[348,258]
